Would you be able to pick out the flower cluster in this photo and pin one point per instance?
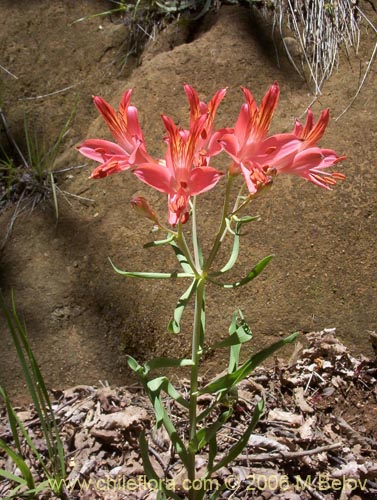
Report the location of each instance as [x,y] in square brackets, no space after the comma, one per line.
[185,171]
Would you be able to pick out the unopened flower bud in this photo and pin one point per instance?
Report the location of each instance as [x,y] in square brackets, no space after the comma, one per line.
[142,207]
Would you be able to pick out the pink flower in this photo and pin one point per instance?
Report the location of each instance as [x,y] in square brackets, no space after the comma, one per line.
[178,176]
[245,141]
[298,153]
[259,157]
[125,128]
[208,143]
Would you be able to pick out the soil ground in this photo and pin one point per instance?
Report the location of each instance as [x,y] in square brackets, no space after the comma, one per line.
[82,318]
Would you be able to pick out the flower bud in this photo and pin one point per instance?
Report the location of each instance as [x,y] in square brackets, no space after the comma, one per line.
[142,207]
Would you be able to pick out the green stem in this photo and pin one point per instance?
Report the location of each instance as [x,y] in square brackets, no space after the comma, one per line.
[181,242]
[195,235]
[222,229]
[198,334]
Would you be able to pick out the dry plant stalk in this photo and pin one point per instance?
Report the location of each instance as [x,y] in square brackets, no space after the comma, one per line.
[321,28]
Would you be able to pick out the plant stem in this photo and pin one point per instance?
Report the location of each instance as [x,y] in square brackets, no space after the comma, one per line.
[222,228]
[181,242]
[198,333]
[195,235]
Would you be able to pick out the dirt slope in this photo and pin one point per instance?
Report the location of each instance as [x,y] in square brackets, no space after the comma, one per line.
[81,317]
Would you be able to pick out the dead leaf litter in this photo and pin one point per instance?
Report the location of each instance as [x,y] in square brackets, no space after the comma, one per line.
[316,440]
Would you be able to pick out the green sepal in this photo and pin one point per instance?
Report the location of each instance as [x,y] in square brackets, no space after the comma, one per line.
[250,276]
[174,325]
[159,243]
[226,382]
[242,442]
[152,276]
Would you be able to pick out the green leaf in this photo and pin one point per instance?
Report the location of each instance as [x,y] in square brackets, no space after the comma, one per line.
[207,434]
[39,394]
[163,418]
[15,492]
[174,325]
[12,419]
[226,382]
[159,384]
[166,363]
[217,492]
[149,470]
[16,423]
[239,332]
[212,452]
[154,276]
[13,477]
[19,462]
[158,243]
[134,365]
[240,445]
[250,276]
[181,258]
[236,244]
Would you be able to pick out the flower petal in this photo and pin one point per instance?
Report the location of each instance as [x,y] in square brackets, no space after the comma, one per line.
[113,165]
[97,148]
[156,175]
[203,179]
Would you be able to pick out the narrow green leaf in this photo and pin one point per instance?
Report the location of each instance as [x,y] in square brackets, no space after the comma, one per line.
[12,477]
[19,462]
[236,243]
[11,418]
[15,492]
[159,410]
[226,382]
[158,243]
[240,445]
[131,274]
[42,403]
[38,393]
[206,434]
[54,195]
[212,452]
[165,363]
[239,332]
[162,417]
[174,325]
[149,470]
[159,384]
[250,276]
[181,258]
[217,492]
[15,423]
[134,365]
